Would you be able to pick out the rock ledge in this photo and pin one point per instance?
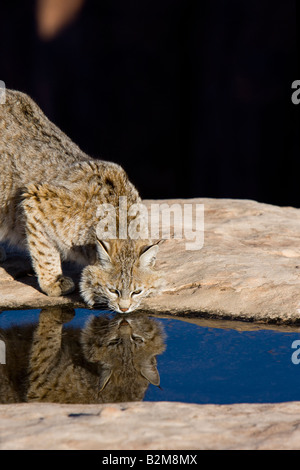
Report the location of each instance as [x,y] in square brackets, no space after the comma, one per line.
[248,268]
[150,426]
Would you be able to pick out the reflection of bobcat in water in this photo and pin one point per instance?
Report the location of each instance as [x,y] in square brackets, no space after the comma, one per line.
[13,374]
[109,360]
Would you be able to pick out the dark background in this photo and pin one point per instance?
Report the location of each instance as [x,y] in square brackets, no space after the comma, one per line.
[192,98]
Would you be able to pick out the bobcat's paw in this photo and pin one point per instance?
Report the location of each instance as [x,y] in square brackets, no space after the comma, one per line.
[2,255]
[62,286]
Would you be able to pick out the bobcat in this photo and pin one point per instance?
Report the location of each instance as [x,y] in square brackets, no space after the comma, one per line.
[108,360]
[49,195]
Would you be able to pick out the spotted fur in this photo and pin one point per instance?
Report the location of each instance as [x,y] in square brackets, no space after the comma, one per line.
[49,195]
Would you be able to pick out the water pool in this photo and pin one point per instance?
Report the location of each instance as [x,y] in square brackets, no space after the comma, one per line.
[204,362]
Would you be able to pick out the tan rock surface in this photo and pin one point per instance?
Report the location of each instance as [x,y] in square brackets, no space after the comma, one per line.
[156,426]
[248,268]
[19,287]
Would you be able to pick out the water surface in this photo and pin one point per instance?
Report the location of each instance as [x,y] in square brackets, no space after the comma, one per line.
[206,364]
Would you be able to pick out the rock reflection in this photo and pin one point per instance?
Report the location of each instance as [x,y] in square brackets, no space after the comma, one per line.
[108,360]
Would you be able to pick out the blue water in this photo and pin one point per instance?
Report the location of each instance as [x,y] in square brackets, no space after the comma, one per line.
[213,365]
[210,365]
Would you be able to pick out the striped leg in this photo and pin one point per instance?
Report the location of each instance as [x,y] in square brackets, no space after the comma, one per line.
[46,260]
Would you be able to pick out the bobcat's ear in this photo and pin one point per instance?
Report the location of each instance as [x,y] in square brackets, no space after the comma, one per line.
[148,256]
[105,376]
[150,372]
[103,248]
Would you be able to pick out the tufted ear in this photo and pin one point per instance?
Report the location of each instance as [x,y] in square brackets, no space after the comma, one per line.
[103,248]
[150,372]
[148,256]
[105,376]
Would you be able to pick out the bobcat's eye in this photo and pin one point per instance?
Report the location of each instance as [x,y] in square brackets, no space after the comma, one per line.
[136,292]
[114,291]
[114,342]
[137,339]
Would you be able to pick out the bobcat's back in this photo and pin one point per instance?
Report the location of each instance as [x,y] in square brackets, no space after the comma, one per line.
[34,152]
[32,148]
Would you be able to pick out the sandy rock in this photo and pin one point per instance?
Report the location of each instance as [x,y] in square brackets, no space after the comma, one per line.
[247,269]
[156,426]
[19,288]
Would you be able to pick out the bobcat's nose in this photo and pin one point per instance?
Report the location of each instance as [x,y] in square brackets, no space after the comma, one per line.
[124,327]
[124,305]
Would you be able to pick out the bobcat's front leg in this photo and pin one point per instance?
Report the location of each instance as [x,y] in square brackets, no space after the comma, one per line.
[47,264]
[45,256]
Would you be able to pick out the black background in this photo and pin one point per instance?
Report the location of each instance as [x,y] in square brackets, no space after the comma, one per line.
[192,98]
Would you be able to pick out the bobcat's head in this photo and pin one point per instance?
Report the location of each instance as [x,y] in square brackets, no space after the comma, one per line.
[123,275]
